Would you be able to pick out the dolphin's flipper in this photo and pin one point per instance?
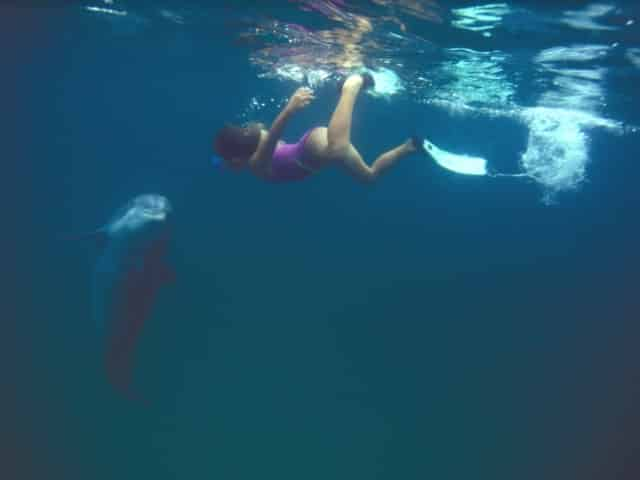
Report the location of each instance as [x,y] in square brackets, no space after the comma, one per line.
[99,236]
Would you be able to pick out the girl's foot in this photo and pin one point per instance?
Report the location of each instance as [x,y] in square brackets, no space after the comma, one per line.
[363,80]
[418,144]
[367,80]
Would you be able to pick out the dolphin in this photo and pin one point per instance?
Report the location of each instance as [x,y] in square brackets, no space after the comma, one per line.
[127,278]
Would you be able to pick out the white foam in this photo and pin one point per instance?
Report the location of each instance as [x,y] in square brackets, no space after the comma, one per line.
[557,147]
[387,83]
[480,18]
[633,55]
[291,72]
[574,93]
[556,154]
[317,77]
[577,88]
[586,19]
[574,53]
[107,11]
[171,16]
[314,77]
[584,73]
[474,77]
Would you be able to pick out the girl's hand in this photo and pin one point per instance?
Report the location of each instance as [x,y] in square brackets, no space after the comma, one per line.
[300,99]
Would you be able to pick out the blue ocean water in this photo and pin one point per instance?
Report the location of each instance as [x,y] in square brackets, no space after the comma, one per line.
[432,324]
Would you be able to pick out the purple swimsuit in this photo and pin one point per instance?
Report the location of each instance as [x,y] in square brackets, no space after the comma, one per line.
[286,163]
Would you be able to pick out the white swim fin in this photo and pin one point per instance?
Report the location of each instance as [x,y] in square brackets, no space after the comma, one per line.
[464,164]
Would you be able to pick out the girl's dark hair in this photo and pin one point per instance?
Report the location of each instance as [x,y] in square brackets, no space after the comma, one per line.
[234,141]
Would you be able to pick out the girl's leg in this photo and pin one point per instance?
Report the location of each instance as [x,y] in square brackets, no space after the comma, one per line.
[356,166]
[339,129]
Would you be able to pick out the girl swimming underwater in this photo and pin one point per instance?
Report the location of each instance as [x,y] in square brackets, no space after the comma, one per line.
[262,152]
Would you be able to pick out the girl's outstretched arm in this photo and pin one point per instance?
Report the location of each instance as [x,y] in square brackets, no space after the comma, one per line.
[300,99]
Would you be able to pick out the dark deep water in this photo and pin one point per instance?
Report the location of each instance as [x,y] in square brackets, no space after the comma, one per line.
[434,325]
